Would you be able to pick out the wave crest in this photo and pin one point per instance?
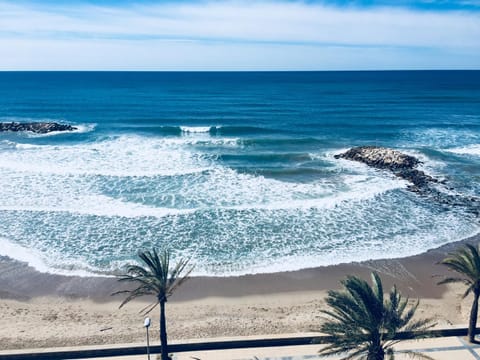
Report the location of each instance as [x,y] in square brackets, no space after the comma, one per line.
[467,150]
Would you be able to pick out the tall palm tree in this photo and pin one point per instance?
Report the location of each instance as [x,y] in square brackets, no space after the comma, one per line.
[157,279]
[363,324]
[466,262]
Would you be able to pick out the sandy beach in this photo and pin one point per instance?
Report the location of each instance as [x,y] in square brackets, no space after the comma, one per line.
[45,310]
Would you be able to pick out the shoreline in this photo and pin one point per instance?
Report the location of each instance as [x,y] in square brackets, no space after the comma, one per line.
[47,310]
[404,270]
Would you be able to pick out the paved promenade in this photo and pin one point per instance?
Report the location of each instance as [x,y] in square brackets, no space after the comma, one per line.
[451,348]
[445,348]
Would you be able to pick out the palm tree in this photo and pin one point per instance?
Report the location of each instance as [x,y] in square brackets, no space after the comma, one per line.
[466,262]
[157,279]
[362,324]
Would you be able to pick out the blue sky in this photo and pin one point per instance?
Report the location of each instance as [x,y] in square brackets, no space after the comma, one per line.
[239,35]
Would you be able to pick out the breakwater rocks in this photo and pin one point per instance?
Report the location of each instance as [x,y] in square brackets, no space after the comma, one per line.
[404,166]
[400,164]
[380,157]
[36,127]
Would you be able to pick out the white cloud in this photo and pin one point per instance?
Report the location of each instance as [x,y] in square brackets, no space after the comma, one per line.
[240,34]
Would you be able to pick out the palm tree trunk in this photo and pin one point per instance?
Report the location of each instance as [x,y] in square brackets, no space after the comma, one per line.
[376,351]
[163,331]
[473,317]
[379,354]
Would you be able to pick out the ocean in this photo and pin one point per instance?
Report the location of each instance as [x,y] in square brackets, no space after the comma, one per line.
[234,170]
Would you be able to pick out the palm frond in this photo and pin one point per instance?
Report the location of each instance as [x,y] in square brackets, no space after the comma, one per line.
[138,292]
[362,320]
[465,261]
[450,280]
[155,276]
[468,291]
[147,309]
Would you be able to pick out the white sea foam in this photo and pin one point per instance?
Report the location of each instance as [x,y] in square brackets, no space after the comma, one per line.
[96,204]
[20,253]
[440,138]
[195,129]
[84,128]
[7,144]
[355,167]
[467,150]
[93,178]
[123,156]
[38,260]
[278,239]
[435,168]
[26,146]
[270,252]
[336,252]
[222,188]
[331,153]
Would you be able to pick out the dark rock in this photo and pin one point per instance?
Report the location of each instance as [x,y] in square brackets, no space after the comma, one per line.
[403,166]
[417,177]
[36,127]
[380,158]
[400,164]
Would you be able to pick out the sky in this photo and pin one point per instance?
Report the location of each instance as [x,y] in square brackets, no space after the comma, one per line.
[239,35]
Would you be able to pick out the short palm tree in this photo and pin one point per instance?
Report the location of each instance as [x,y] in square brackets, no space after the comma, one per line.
[157,279]
[466,262]
[363,324]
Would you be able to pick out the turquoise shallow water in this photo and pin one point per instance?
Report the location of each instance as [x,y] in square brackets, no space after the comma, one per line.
[235,170]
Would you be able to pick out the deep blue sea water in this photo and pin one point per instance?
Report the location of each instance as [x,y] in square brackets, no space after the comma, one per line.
[235,170]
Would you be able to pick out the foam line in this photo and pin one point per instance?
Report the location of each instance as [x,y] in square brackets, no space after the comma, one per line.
[196,129]
[467,150]
[122,156]
[36,259]
[94,205]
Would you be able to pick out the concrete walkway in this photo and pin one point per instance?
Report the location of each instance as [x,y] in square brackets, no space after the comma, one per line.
[446,348]
[452,348]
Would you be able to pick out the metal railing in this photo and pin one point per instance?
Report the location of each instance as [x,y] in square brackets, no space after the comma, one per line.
[204,346]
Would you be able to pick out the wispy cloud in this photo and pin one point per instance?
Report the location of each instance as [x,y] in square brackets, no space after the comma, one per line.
[209,35]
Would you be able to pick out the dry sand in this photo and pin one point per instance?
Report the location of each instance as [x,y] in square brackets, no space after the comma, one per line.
[44,310]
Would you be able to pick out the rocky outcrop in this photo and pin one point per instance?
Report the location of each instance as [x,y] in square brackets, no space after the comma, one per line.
[400,164]
[380,157]
[36,127]
[404,166]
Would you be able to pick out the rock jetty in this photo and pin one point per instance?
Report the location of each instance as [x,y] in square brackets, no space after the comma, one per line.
[400,164]
[36,127]
[404,166]
[380,157]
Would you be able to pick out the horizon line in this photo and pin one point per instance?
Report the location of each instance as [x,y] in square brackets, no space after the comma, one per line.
[242,71]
